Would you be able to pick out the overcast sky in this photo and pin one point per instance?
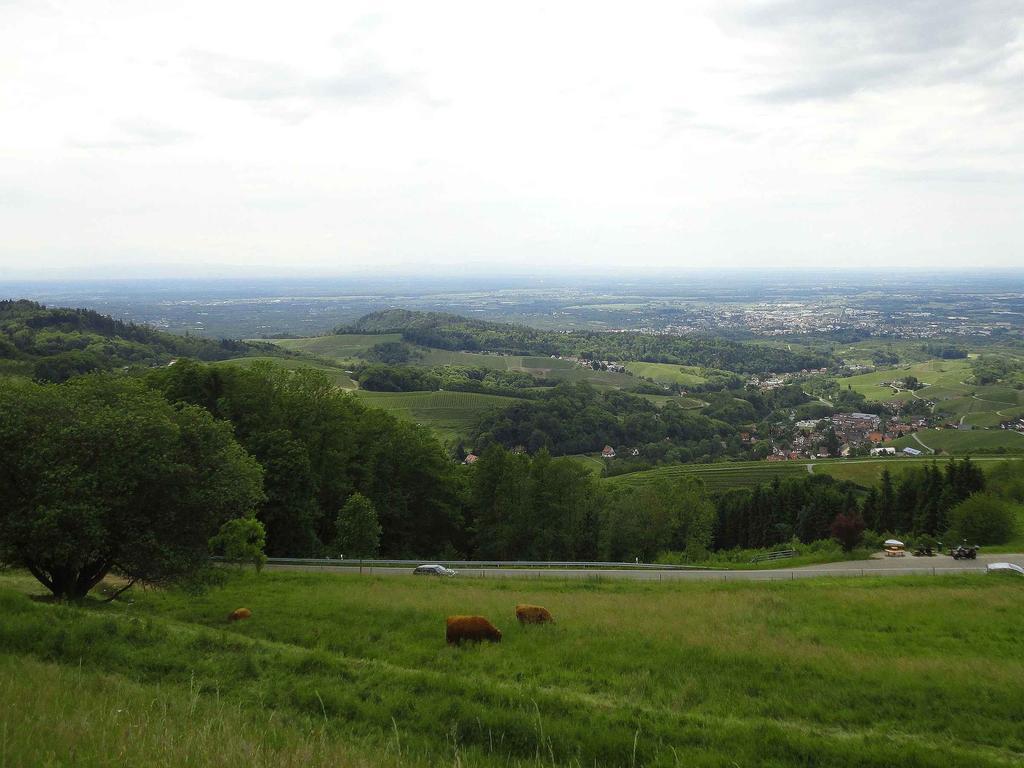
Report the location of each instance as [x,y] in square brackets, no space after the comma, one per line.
[195,138]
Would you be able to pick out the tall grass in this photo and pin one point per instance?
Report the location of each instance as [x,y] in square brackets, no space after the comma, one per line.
[865,673]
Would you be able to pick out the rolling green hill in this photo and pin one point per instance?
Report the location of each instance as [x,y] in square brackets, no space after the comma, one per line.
[55,344]
[346,348]
[943,377]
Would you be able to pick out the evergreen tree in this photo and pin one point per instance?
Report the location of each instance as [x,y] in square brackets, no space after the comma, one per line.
[870,509]
[886,517]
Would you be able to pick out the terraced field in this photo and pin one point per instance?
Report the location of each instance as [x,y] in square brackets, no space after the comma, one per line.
[717,476]
[683,402]
[451,414]
[725,475]
[337,376]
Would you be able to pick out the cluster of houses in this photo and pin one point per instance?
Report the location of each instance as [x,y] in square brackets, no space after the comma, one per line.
[776,380]
[1017,425]
[855,433]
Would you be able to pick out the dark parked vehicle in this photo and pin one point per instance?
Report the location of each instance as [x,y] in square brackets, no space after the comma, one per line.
[432,570]
[964,552]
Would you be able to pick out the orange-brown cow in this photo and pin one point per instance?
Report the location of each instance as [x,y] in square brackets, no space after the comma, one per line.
[476,628]
[239,613]
[533,614]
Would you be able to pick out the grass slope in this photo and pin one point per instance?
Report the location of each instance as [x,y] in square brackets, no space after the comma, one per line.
[872,672]
[965,441]
[451,414]
[341,347]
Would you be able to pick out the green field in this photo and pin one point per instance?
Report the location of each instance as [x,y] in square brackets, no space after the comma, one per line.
[349,670]
[665,373]
[341,347]
[943,377]
[453,415]
[965,441]
[544,367]
[337,376]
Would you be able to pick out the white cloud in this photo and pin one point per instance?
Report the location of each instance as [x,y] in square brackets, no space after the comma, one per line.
[341,136]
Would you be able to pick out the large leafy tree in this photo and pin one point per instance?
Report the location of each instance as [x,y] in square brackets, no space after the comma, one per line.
[358,528]
[101,474]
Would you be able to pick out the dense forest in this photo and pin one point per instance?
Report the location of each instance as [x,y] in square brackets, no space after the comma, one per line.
[54,344]
[445,331]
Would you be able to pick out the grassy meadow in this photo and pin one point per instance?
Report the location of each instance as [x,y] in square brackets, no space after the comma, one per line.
[943,377]
[665,373]
[354,671]
[965,441]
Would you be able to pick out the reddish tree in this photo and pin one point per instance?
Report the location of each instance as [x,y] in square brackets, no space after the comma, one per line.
[847,530]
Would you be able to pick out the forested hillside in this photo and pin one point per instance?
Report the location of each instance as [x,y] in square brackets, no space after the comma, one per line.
[445,331]
[54,344]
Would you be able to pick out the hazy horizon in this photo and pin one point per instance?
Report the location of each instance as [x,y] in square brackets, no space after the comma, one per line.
[147,139]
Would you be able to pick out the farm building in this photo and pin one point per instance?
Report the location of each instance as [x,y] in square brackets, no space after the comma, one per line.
[608,452]
[883,451]
[911,451]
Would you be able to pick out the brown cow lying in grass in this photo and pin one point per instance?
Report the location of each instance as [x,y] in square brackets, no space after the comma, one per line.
[239,613]
[459,628]
[533,614]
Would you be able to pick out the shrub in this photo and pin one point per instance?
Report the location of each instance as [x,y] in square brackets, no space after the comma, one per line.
[982,519]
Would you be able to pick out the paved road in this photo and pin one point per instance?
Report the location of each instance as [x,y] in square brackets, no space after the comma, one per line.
[883,566]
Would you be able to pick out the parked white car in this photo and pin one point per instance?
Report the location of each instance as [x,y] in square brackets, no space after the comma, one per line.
[432,570]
